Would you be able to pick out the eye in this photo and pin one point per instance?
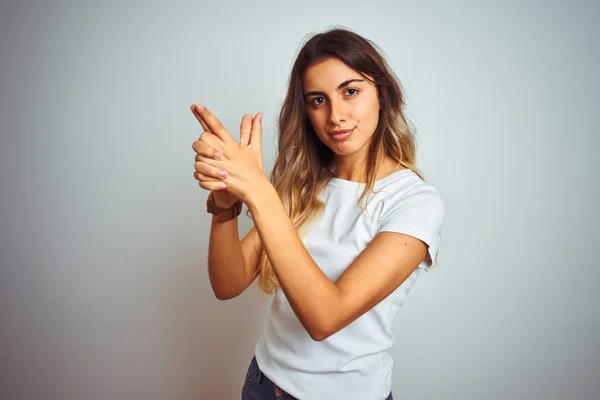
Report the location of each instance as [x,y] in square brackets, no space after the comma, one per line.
[314,102]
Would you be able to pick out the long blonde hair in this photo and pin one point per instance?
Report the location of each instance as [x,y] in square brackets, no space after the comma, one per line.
[303,164]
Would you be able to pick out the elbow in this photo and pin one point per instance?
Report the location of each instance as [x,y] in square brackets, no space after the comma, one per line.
[224,293]
[318,337]
[223,296]
[323,326]
[319,334]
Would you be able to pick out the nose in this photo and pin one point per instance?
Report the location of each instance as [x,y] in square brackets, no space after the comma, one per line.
[337,112]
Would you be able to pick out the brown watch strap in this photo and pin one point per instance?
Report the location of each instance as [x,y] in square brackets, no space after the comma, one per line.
[215,210]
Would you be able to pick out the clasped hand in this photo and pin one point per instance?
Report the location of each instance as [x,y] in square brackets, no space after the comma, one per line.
[222,163]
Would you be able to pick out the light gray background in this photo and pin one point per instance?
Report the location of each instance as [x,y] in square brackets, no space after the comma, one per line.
[104,289]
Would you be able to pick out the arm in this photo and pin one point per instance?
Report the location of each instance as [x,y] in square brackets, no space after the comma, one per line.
[232,265]
[322,306]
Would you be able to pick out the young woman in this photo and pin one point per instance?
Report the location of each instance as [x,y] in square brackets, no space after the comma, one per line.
[342,228]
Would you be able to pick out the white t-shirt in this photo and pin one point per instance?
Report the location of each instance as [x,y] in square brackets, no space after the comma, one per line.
[353,363]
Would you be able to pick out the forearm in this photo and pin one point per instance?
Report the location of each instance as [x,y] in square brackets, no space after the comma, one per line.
[311,294]
[226,269]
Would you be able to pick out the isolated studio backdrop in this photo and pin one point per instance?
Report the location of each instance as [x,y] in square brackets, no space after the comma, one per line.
[104,292]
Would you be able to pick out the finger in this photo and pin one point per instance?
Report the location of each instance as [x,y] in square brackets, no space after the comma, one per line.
[210,171]
[203,149]
[256,136]
[212,185]
[245,129]
[214,125]
[199,117]
[200,177]
[212,140]
[209,161]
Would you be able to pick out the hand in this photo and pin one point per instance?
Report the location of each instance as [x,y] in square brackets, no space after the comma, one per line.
[218,151]
[205,173]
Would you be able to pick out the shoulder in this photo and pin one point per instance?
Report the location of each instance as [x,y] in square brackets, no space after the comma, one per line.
[408,191]
[414,208]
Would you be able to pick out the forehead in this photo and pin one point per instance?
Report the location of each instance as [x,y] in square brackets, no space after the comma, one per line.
[327,74]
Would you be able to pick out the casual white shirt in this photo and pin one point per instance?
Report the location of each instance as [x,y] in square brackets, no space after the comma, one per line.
[353,363]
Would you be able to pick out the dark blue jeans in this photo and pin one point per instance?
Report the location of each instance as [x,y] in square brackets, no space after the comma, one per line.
[259,387]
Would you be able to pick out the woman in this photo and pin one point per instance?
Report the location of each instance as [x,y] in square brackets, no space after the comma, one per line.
[342,229]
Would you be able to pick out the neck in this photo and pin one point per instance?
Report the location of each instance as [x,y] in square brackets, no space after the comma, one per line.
[352,167]
[356,171]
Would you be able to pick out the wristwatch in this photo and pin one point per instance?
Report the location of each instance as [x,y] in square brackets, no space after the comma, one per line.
[214,209]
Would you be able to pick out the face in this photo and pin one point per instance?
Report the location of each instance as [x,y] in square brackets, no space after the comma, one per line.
[337,98]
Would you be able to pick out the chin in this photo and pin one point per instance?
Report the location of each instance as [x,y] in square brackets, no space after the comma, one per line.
[343,149]
[346,147]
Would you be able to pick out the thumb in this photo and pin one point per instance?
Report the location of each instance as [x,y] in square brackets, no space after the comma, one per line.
[256,135]
[245,129]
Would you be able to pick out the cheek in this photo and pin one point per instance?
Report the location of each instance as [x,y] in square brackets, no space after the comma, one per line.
[317,122]
[368,121]
[366,110]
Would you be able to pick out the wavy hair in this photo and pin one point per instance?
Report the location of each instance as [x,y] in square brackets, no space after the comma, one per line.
[303,164]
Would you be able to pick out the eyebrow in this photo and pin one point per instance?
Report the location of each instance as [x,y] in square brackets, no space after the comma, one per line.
[341,86]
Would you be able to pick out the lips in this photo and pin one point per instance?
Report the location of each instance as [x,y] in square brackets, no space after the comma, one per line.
[341,135]
[340,132]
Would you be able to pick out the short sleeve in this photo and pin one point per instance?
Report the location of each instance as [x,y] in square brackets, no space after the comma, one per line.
[420,215]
